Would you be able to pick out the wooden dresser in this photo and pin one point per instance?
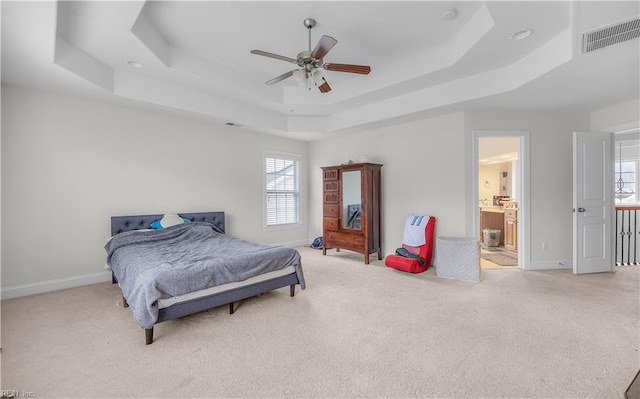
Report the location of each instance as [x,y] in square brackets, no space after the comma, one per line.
[351,208]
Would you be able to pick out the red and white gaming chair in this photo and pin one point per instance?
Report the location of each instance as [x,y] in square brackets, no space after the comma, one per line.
[424,251]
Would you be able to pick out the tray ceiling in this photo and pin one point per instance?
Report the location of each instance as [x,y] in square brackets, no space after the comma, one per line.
[195,58]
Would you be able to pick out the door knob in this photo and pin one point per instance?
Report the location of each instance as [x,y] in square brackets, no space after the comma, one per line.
[581,210]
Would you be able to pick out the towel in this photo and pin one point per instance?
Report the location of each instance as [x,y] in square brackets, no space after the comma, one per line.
[414,227]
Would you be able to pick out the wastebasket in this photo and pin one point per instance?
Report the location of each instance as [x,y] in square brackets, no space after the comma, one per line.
[491,237]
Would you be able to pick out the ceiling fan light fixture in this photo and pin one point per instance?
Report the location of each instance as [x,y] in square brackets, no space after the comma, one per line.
[300,75]
[317,77]
[310,63]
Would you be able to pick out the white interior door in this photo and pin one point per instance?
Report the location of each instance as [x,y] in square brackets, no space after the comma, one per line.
[592,202]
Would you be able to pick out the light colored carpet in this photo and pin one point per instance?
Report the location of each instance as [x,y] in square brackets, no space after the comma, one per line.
[357,331]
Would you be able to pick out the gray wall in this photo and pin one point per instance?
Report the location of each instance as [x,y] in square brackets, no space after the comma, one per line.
[69,164]
[427,170]
[423,173]
[551,155]
[620,116]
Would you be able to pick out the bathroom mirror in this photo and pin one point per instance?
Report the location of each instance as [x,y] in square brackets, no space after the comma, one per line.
[351,195]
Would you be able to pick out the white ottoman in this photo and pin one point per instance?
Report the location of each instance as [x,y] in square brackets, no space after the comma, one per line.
[458,258]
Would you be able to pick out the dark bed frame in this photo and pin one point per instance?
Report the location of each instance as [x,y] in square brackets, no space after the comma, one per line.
[121,224]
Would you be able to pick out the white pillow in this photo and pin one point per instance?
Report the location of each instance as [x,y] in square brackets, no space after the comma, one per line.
[170,219]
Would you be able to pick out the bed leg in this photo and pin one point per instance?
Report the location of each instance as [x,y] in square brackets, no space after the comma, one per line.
[292,290]
[125,304]
[148,335]
[231,309]
[113,278]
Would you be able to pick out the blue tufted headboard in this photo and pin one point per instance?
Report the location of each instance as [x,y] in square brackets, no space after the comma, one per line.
[120,224]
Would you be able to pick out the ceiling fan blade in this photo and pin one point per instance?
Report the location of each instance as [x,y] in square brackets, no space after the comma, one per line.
[276,56]
[361,69]
[325,44]
[324,88]
[280,78]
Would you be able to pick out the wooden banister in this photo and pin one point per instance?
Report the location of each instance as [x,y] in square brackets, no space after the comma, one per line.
[627,207]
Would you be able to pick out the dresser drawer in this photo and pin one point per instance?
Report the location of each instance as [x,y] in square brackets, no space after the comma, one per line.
[344,240]
[510,213]
[331,186]
[331,210]
[330,174]
[330,224]
[331,198]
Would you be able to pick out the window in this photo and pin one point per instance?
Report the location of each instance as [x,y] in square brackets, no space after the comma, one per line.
[626,164]
[628,174]
[282,189]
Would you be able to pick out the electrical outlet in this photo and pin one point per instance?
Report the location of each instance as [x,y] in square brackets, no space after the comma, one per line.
[545,246]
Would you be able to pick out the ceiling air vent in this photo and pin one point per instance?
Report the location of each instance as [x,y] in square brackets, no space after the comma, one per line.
[612,34]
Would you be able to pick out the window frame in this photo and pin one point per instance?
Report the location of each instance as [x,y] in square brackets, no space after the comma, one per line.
[616,176]
[285,156]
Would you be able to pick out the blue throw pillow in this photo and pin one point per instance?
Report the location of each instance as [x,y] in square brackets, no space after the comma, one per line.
[158,226]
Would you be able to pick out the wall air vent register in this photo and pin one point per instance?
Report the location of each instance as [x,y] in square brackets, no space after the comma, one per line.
[612,34]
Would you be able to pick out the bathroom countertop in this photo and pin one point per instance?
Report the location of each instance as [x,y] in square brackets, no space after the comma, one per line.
[496,209]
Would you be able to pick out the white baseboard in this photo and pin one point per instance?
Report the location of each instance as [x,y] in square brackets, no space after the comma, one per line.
[560,265]
[297,243]
[17,291]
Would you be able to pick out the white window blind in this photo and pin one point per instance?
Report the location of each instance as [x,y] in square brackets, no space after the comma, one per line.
[282,194]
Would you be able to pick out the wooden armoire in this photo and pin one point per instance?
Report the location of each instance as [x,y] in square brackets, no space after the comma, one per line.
[352,209]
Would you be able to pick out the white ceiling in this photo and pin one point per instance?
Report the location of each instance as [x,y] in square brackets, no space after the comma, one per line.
[197,62]
[497,149]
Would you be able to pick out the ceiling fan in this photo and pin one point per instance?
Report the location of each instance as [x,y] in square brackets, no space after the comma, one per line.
[310,62]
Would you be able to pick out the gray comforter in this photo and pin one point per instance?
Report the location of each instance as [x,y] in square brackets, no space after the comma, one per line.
[155,264]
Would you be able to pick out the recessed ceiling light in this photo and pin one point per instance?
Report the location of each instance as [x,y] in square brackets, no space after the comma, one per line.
[522,34]
[449,14]
[135,64]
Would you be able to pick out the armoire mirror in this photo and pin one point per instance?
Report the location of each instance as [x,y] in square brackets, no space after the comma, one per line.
[351,197]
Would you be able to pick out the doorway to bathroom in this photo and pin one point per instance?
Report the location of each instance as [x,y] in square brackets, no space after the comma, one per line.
[501,178]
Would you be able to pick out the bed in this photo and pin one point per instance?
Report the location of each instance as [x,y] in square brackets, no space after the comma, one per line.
[184,269]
